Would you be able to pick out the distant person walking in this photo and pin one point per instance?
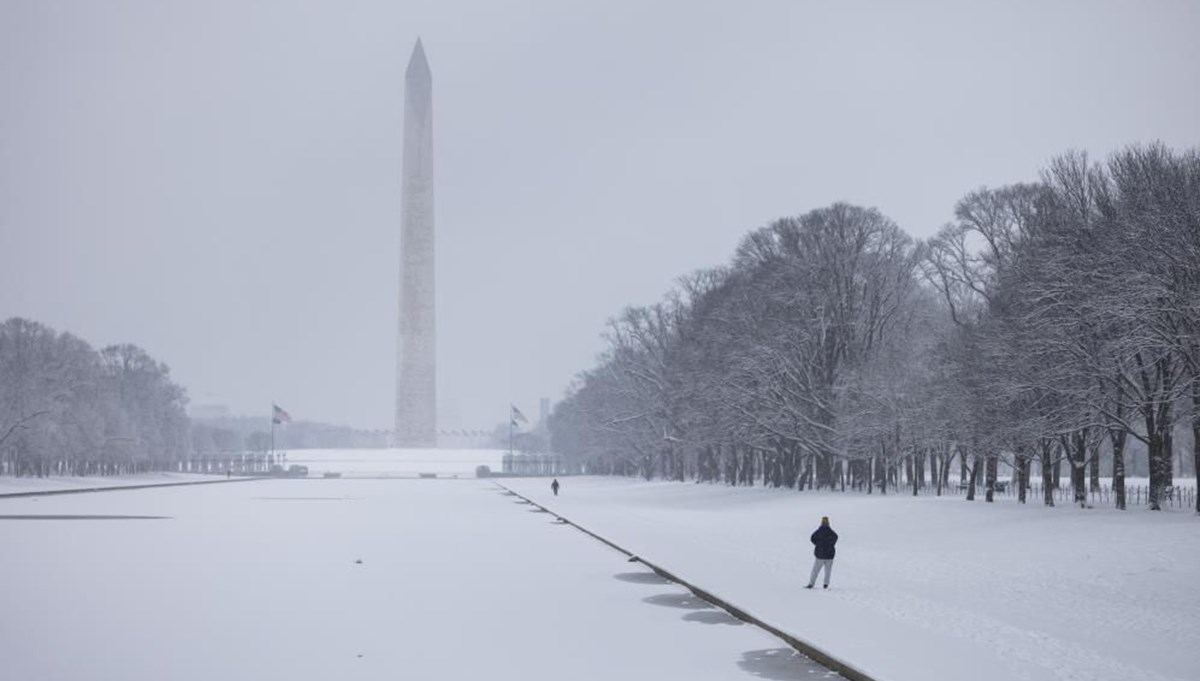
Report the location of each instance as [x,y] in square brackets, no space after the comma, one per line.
[823,541]
[554,487]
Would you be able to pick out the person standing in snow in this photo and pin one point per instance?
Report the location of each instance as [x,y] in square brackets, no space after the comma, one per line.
[823,540]
[554,487]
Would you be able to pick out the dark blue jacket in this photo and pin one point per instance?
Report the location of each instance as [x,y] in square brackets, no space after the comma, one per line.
[824,539]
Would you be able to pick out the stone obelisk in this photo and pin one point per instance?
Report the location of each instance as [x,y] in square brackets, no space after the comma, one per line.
[416,373]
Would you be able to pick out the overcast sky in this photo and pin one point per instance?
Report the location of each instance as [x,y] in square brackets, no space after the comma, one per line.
[219,182]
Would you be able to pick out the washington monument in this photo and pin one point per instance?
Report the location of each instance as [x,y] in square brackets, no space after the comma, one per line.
[416,367]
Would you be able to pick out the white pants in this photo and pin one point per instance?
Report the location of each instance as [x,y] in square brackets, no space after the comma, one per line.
[819,563]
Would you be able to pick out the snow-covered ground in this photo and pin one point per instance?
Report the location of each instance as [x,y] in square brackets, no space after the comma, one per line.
[11,485]
[457,581]
[260,580]
[926,588]
[396,462]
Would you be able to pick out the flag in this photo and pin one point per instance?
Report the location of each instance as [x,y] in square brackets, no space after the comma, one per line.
[517,416]
[279,415]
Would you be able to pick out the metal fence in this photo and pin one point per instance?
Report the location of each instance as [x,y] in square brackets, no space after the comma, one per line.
[1179,496]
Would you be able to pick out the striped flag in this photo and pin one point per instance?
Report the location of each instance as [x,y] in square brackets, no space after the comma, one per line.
[517,416]
[278,415]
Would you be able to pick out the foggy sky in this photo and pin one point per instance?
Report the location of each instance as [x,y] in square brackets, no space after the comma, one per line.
[219,182]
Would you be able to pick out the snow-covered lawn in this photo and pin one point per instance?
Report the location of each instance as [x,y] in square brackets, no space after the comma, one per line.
[926,589]
[260,580]
[11,485]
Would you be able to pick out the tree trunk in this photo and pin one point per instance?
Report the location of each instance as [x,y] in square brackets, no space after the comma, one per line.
[1022,475]
[791,471]
[948,460]
[1196,435]
[1078,454]
[918,468]
[1057,470]
[991,477]
[1094,469]
[1118,468]
[1168,439]
[881,471]
[1048,469]
[974,478]
[1156,411]
[1154,448]
[897,449]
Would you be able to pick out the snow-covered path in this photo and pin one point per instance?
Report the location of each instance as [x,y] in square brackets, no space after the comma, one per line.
[925,589]
[261,581]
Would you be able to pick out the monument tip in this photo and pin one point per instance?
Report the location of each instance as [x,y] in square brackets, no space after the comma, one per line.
[417,62]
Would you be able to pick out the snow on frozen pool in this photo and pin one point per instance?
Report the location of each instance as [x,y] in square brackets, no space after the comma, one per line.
[925,589]
[11,485]
[396,462]
[372,463]
[262,580]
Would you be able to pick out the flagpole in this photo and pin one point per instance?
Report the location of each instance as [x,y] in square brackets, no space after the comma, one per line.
[272,459]
[510,430]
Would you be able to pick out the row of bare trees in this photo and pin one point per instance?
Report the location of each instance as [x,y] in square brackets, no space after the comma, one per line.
[68,409]
[1047,323]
